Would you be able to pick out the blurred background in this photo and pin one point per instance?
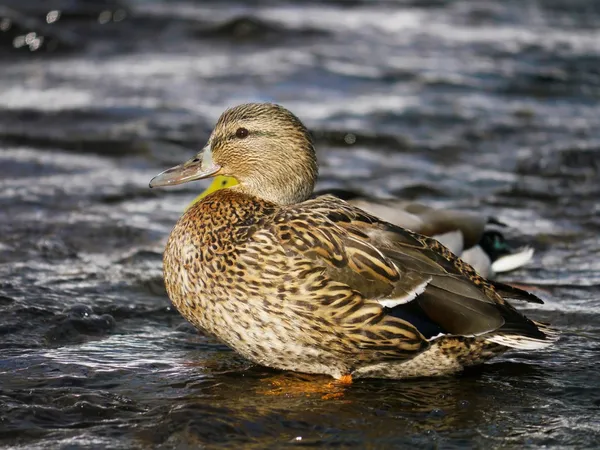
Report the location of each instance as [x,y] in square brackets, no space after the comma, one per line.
[489,106]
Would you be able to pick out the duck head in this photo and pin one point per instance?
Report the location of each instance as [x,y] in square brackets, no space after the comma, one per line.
[263,146]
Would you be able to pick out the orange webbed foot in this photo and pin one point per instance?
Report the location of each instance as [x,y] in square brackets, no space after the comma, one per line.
[292,385]
[345,379]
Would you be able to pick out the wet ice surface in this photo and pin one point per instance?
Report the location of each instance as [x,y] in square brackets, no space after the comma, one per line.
[490,106]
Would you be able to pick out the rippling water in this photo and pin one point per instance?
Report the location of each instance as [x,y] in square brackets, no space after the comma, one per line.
[488,105]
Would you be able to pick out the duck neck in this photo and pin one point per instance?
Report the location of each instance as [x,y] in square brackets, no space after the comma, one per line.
[288,194]
[285,183]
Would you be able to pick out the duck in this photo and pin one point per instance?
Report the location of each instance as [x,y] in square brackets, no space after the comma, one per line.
[316,285]
[475,238]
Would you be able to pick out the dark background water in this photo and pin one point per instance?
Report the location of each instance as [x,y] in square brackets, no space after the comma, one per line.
[482,105]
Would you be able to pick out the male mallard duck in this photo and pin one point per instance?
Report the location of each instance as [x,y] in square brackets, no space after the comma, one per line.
[318,285]
[476,239]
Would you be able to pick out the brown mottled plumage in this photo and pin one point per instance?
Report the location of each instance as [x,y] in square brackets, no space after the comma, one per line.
[474,238]
[318,285]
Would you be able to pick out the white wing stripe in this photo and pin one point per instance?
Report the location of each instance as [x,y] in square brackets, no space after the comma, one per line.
[392,302]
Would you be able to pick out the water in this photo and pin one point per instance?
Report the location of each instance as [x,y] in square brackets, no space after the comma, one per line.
[490,106]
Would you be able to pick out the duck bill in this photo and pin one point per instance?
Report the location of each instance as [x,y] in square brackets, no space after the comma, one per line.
[197,168]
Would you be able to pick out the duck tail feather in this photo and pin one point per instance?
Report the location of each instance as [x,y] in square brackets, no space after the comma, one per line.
[514,293]
[521,342]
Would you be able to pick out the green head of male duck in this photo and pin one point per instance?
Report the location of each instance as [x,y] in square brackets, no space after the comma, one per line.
[253,143]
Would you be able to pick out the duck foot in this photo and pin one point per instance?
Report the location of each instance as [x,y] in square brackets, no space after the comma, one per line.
[345,379]
[306,385]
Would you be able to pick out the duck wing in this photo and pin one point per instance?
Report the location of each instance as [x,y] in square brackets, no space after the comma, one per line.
[410,277]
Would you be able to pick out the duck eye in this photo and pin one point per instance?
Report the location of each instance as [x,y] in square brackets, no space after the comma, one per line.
[241,133]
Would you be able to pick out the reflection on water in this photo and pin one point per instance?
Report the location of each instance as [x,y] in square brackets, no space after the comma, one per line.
[488,106]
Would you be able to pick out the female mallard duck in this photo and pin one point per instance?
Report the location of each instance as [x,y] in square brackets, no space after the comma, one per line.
[476,239]
[318,285]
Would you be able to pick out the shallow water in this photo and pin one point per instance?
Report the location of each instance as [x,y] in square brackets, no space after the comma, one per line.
[490,106]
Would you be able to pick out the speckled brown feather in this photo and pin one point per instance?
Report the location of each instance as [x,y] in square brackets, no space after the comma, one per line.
[320,286]
[269,269]
[265,279]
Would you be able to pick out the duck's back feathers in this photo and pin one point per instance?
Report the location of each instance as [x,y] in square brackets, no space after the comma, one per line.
[477,239]
[421,218]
